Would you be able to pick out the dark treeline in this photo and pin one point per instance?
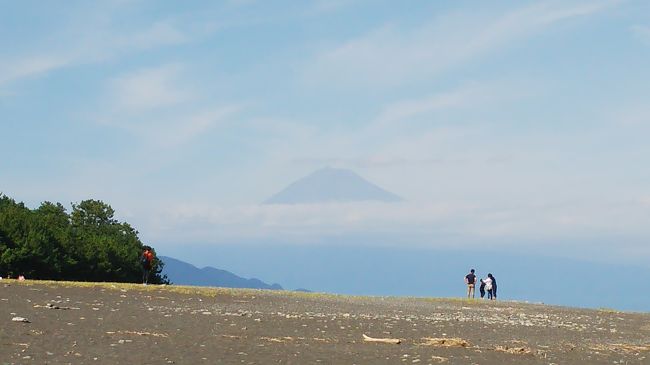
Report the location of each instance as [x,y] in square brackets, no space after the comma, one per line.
[87,244]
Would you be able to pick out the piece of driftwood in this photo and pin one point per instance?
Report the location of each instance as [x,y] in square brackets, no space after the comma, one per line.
[394,341]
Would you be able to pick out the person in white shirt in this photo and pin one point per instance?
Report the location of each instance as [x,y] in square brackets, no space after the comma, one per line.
[488,285]
[494,286]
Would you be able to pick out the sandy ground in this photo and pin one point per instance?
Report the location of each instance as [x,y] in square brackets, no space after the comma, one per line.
[71,323]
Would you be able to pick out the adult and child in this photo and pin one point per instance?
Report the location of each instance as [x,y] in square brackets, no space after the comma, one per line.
[488,285]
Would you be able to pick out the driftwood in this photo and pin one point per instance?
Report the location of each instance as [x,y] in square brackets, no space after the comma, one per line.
[394,341]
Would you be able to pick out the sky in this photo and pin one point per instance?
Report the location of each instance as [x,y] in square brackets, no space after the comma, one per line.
[506,124]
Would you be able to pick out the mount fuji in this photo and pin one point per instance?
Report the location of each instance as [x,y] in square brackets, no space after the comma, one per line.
[331,185]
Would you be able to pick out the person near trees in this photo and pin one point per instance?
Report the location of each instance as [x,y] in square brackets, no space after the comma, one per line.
[147,261]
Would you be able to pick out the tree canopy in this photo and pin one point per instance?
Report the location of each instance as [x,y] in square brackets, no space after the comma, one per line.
[88,244]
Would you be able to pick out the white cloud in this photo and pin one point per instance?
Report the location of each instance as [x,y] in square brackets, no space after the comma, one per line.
[181,129]
[320,7]
[31,67]
[93,38]
[415,132]
[632,115]
[161,106]
[473,95]
[392,55]
[161,33]
[642,32]
[149,88]
[175,128]
[423,223]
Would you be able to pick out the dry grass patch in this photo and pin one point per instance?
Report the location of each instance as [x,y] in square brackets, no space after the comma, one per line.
[620,347]
[517,350]
[277,339]
[317,339]
[152,334]
[125,287]
[445,342]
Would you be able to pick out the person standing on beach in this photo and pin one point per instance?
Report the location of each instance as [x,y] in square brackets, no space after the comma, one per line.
[494,286]
[470,280]
[488,285]
[147,260]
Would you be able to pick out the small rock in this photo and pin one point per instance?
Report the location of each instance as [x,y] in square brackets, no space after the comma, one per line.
[20,319]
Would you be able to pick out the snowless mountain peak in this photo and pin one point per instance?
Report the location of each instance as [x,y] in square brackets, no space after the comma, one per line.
[331,185]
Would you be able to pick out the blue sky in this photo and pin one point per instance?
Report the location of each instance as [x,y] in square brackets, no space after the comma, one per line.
[505,123]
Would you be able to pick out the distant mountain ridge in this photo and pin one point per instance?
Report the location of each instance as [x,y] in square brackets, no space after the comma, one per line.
[331,185]
[183,273]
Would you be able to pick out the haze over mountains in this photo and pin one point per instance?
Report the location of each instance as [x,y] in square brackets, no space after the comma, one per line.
[346,267]
[331,185]
[183,273]
[367,263]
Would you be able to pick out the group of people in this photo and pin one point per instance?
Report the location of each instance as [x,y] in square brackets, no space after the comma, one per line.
[488,285]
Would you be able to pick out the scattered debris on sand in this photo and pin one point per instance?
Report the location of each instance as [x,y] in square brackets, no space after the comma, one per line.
[439,359]
[138,333]
[277,339]
[514,350]
[620,347]
[393,341]
[445,342]
[110,323]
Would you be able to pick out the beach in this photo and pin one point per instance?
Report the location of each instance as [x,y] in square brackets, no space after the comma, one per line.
[107,323]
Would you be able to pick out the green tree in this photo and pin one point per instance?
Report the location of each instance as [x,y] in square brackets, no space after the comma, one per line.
[89,244]
[14,228]
[108,249]
[51,225]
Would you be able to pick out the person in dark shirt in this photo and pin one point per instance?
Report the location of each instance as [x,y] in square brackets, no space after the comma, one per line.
[146,259]
[470,280]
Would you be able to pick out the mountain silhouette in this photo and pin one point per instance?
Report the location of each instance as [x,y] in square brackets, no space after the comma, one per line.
[182,273]
[331,185]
